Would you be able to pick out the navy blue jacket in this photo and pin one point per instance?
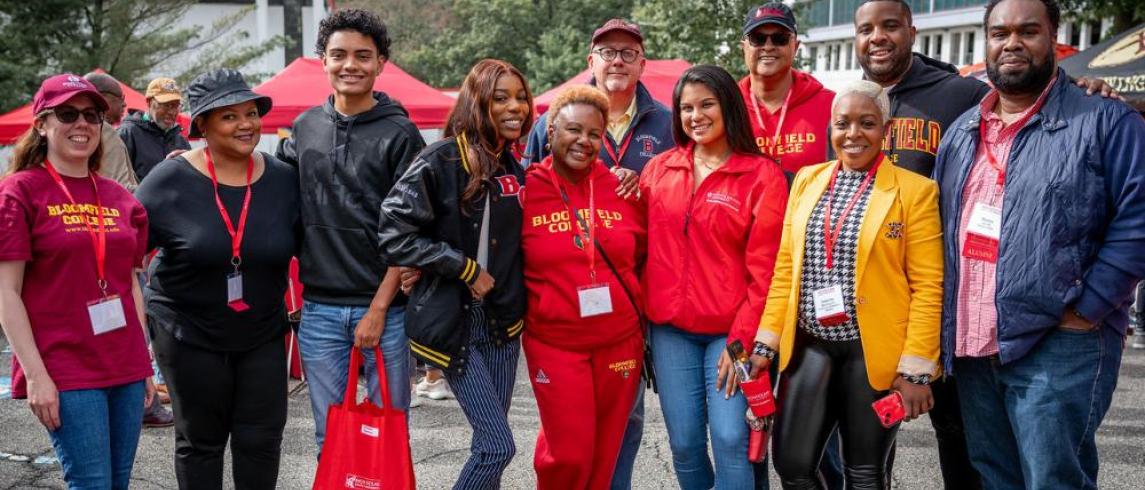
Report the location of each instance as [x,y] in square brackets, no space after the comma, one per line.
[651,132]
[1073,218]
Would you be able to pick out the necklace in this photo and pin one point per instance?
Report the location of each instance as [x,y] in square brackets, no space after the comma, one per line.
[712,163]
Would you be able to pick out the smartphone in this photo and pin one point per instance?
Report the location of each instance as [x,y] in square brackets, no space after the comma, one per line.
[889,409]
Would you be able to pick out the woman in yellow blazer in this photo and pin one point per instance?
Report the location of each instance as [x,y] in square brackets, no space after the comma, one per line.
[853,309]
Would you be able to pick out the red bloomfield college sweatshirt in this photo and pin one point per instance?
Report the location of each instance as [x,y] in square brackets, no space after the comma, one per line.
[803,138]
[555,267]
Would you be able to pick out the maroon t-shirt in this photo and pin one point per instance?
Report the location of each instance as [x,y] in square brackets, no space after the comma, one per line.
[39,226]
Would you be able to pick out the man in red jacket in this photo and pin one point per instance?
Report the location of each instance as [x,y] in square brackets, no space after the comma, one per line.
[789,109]
[790,115]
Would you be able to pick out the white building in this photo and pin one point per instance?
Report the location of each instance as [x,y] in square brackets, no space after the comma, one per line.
[948,30]
[262,23]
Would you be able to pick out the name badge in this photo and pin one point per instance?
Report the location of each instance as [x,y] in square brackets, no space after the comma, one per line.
[235,292]
[106,315]
[829,309]
[983,232]
[595,299]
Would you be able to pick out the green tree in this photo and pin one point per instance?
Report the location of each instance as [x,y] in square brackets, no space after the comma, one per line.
[700,31]
[545,39]
[703,31]
[410,23]
[127,38]
[1124,13]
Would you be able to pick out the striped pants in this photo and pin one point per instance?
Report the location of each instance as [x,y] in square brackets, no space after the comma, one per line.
[484,392]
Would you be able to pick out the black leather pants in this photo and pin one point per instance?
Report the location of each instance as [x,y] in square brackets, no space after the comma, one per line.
[825,387]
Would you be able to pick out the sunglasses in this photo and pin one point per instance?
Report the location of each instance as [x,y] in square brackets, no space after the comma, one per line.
[68,114]
[759,39]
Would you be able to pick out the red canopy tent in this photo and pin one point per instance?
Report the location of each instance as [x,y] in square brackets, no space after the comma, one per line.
[659,78]
[303,84]
[13,124]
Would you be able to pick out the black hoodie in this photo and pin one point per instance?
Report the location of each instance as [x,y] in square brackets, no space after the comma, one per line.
[923,104]
[148,144]
[347,165]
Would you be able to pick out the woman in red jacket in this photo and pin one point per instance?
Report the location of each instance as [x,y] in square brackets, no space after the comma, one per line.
[583,341]
[715,214]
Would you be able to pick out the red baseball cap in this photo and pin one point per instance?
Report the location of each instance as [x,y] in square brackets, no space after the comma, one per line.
[618,25]
[60,88]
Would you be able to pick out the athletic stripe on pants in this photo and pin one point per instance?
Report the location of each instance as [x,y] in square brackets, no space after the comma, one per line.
[484,393]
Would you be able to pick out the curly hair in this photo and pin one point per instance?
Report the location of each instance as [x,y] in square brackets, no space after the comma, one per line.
[579,94]
[361,21]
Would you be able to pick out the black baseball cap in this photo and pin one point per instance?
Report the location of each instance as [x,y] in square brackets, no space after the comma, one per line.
[770,13]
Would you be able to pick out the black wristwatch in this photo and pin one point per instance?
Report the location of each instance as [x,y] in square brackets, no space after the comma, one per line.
[920,379]
[763,350]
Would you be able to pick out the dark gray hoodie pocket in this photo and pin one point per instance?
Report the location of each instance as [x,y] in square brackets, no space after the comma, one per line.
[340,259]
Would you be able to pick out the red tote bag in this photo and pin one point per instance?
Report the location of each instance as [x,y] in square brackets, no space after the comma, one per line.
[366,447]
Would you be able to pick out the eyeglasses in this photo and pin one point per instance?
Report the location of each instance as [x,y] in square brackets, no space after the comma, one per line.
[609,54]
[68,114]
[759,39]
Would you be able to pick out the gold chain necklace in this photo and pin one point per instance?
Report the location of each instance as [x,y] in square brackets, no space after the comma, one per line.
[712,168]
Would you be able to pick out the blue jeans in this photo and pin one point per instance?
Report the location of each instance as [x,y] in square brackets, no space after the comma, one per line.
[633,433]
[98,434]
[325,338]
[1031,423]
[686,375]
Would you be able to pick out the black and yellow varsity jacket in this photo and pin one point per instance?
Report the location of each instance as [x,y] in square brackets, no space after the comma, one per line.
[424,225]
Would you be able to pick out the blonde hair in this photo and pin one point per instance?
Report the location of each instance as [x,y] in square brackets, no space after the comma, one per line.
[868,89]
[579,94]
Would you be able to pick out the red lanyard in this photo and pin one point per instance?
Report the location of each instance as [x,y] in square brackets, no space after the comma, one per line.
[782,116]
[98,238]
[611,150]
[236,235]
[587,230]
[990,154]
[830,236]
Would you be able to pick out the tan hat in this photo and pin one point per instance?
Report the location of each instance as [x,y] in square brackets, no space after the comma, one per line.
[163,90]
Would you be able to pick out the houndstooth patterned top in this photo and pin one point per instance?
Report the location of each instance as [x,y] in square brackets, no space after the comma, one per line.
[815,273]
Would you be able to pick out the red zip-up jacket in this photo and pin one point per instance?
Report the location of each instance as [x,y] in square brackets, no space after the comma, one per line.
[711,252]
[803,138]
[555,267]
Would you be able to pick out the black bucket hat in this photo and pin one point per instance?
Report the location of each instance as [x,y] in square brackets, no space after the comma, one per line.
[220,88]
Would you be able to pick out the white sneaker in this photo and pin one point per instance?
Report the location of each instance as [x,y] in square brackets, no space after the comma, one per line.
[1138,340]
[414,402]
[434,390]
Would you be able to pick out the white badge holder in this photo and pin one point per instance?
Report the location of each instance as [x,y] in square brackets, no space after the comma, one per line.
[595,299]
[829,307]
[106,315]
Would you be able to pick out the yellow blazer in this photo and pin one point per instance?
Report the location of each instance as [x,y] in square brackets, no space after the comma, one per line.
[898,272]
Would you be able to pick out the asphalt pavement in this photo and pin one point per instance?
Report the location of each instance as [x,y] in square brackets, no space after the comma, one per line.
[440,435]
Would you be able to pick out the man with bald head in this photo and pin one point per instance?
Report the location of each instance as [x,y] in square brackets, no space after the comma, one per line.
[116,163]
